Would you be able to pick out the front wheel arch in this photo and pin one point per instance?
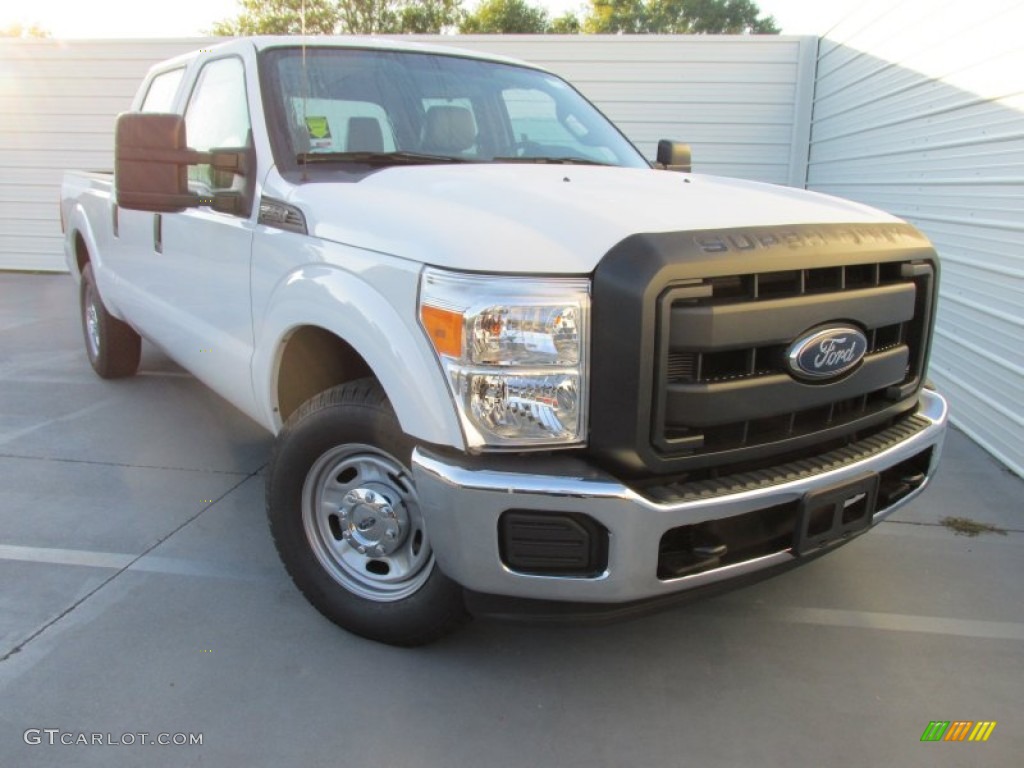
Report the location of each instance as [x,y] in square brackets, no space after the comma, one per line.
[314,360]
[380,329]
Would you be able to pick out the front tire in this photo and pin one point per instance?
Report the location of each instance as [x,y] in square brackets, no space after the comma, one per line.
[113,347]
[346,520]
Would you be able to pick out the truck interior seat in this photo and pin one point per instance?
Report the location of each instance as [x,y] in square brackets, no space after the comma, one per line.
[364,135]
[448,130]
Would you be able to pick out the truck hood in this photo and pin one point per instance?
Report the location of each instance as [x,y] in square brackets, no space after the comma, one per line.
[544,218]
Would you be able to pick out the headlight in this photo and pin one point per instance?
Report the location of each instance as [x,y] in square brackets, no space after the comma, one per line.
[514,353]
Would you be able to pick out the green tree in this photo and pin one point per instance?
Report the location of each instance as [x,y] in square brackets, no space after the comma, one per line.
[24,30]
[429,17]
[357,17]
[616,16]
[566,24]
[368,17]
[505,16]
[678,17]
[280,17]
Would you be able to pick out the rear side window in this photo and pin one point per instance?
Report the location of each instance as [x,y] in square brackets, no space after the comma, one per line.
[160,95]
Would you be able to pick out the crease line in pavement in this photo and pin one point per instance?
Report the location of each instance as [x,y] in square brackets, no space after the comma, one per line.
[899,622]
[937,524]
[823,617]
[4,455]
[178,566]
[14,434]
[121,569]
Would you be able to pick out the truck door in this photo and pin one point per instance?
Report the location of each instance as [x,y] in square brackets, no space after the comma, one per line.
[128,260]
[203,255]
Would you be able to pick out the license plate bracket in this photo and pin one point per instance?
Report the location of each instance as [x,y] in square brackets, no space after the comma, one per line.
[835,513]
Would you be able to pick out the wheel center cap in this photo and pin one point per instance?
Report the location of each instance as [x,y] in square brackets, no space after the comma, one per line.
[370,523]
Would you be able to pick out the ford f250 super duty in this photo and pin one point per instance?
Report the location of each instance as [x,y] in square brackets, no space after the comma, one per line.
[504,356]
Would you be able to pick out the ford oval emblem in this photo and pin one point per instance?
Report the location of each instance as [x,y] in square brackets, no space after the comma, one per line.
[826,352]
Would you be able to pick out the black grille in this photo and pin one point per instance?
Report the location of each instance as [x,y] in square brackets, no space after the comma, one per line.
[748,362]
[722,382]
[692,331]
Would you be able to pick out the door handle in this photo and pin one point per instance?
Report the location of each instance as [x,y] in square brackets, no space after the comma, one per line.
[158,232]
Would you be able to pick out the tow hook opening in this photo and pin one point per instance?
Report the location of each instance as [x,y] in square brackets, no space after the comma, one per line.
[903,479]
[692,549]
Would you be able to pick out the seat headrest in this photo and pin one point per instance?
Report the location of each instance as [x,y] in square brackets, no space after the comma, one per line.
[448,130]
[364,135]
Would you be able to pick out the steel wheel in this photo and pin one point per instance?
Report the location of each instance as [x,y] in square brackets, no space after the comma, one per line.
[363,523]
[92,321]
[113,347]
[346,519]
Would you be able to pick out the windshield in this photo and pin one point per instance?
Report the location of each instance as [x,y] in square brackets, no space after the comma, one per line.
[338,105]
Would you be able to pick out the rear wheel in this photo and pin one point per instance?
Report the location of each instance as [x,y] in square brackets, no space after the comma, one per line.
[346,520]
[113,347]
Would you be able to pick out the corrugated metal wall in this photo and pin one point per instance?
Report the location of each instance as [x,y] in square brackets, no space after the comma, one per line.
[919,109]
[57,106]
[743,103]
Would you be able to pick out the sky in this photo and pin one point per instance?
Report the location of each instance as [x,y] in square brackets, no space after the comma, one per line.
[188,18]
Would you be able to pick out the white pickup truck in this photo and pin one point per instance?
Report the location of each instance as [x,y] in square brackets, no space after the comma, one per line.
[505,357]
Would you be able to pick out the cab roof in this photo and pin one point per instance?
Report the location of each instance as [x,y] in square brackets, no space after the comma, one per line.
[265,42]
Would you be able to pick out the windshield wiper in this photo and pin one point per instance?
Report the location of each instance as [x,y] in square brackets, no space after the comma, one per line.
[376,158]
[549,160]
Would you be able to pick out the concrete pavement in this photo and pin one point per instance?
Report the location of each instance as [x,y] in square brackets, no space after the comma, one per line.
[140,593]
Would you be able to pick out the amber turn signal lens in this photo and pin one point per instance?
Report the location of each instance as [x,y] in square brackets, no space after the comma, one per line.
[444,328]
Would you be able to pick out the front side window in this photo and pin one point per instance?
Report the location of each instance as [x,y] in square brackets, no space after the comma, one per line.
[217,116]
[337,105]
[160,96]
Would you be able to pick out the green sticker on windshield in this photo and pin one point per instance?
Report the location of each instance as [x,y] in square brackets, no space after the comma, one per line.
[318,127]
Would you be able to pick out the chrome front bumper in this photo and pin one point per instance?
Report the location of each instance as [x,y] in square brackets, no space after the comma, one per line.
[463,500]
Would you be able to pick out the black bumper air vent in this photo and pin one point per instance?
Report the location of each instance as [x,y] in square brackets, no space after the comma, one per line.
[552,543]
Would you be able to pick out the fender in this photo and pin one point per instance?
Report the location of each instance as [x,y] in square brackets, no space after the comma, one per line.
[78,224]
[392,345]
